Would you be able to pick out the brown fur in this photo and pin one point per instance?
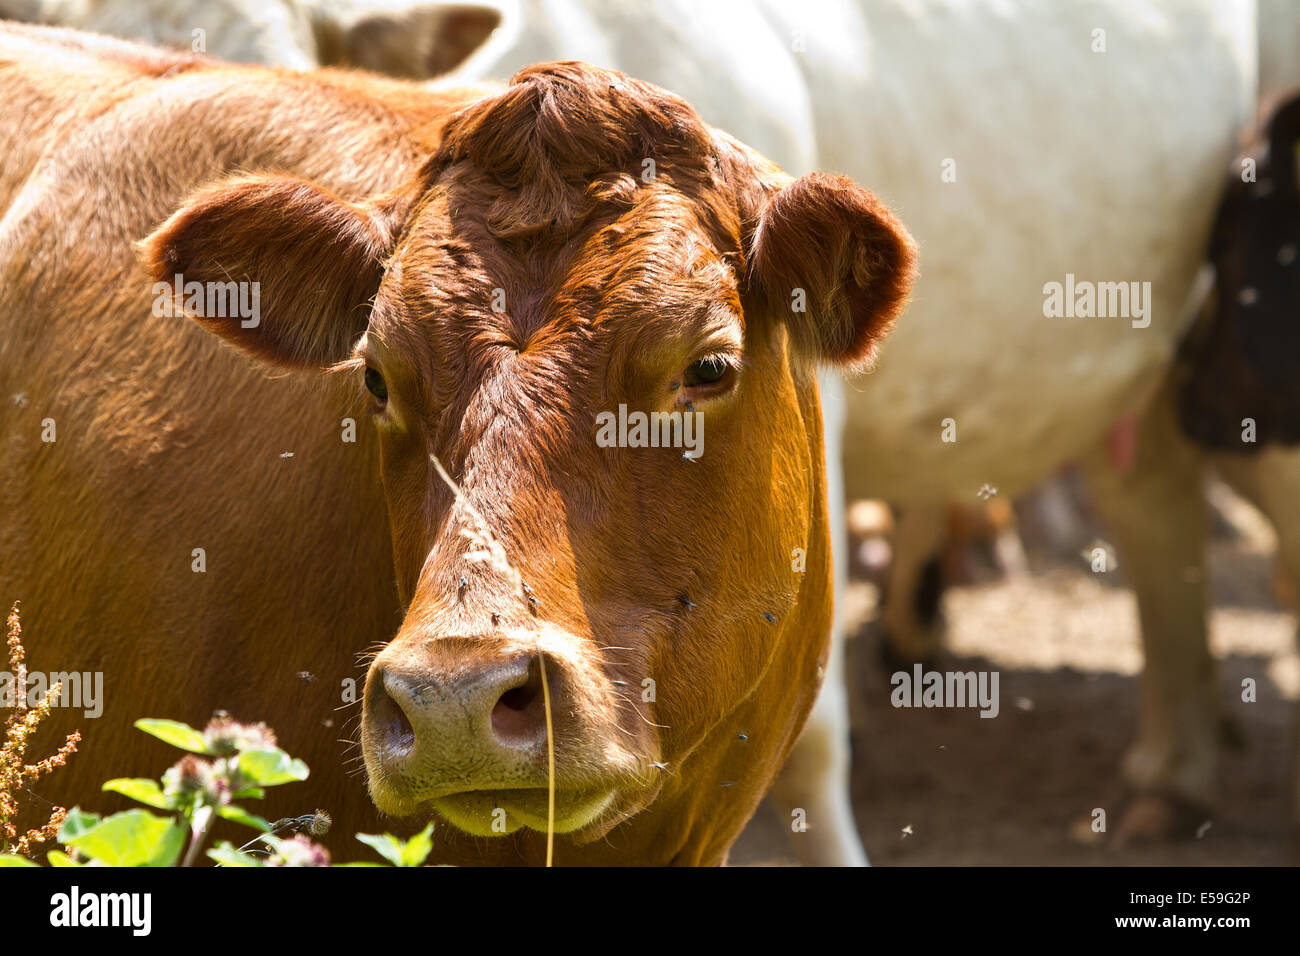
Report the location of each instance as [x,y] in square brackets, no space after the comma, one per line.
[639,563]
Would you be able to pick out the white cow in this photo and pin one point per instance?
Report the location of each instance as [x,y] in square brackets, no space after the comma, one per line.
[1032,147]
[398,37]
[1024,143]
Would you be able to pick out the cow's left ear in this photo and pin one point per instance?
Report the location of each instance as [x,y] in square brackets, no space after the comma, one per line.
[307,262]
[828,257]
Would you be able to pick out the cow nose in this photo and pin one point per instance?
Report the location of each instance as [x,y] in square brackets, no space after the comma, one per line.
[466,712]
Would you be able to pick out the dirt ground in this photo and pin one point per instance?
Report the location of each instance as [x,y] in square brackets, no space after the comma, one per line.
[943,786]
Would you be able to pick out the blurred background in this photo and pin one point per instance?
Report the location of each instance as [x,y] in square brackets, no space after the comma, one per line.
[944,787]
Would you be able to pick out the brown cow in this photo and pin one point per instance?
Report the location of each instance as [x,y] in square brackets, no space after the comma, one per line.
[482,276]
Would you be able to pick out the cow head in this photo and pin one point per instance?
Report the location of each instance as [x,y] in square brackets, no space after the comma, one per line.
[587,333]
[1241,362]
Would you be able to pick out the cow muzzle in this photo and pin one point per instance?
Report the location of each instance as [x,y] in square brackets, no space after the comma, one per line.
[458,726]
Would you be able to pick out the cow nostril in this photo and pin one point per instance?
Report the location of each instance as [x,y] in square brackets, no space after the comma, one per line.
[519,716]
[391,722]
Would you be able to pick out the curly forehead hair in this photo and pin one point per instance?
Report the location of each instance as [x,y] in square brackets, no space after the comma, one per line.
[565,138]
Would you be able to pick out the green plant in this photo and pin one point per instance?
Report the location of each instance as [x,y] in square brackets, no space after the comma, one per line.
[225,762]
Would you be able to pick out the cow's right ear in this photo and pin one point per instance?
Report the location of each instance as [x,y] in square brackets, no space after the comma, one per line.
[836,263]
[304,262]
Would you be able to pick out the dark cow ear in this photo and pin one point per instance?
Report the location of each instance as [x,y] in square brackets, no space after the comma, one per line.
[303,262]
[835,263]
[416,41]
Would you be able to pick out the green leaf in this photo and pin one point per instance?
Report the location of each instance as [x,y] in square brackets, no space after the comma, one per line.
[59,858]
[419,847]
[133,838]
[385,844]
[76,823]
[141,789]
[240,815]
[175,733]
[248,793]
[398,852]
[270,767]
[226,854]
[13,859]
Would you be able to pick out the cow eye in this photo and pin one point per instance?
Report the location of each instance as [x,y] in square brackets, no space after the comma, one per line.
[707,371]
[375,382]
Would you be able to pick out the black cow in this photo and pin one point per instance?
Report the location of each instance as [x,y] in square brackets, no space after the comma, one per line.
[1242,360]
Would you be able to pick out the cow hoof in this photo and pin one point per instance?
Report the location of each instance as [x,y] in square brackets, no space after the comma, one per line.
[1160,818]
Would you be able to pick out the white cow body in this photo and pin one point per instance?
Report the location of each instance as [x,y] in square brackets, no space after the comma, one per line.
[275,33]
[1103,165]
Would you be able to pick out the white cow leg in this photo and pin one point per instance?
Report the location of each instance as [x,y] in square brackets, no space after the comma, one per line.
[1157,515]
[815,779]
[816,775]
[912,631]
[1271,481]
